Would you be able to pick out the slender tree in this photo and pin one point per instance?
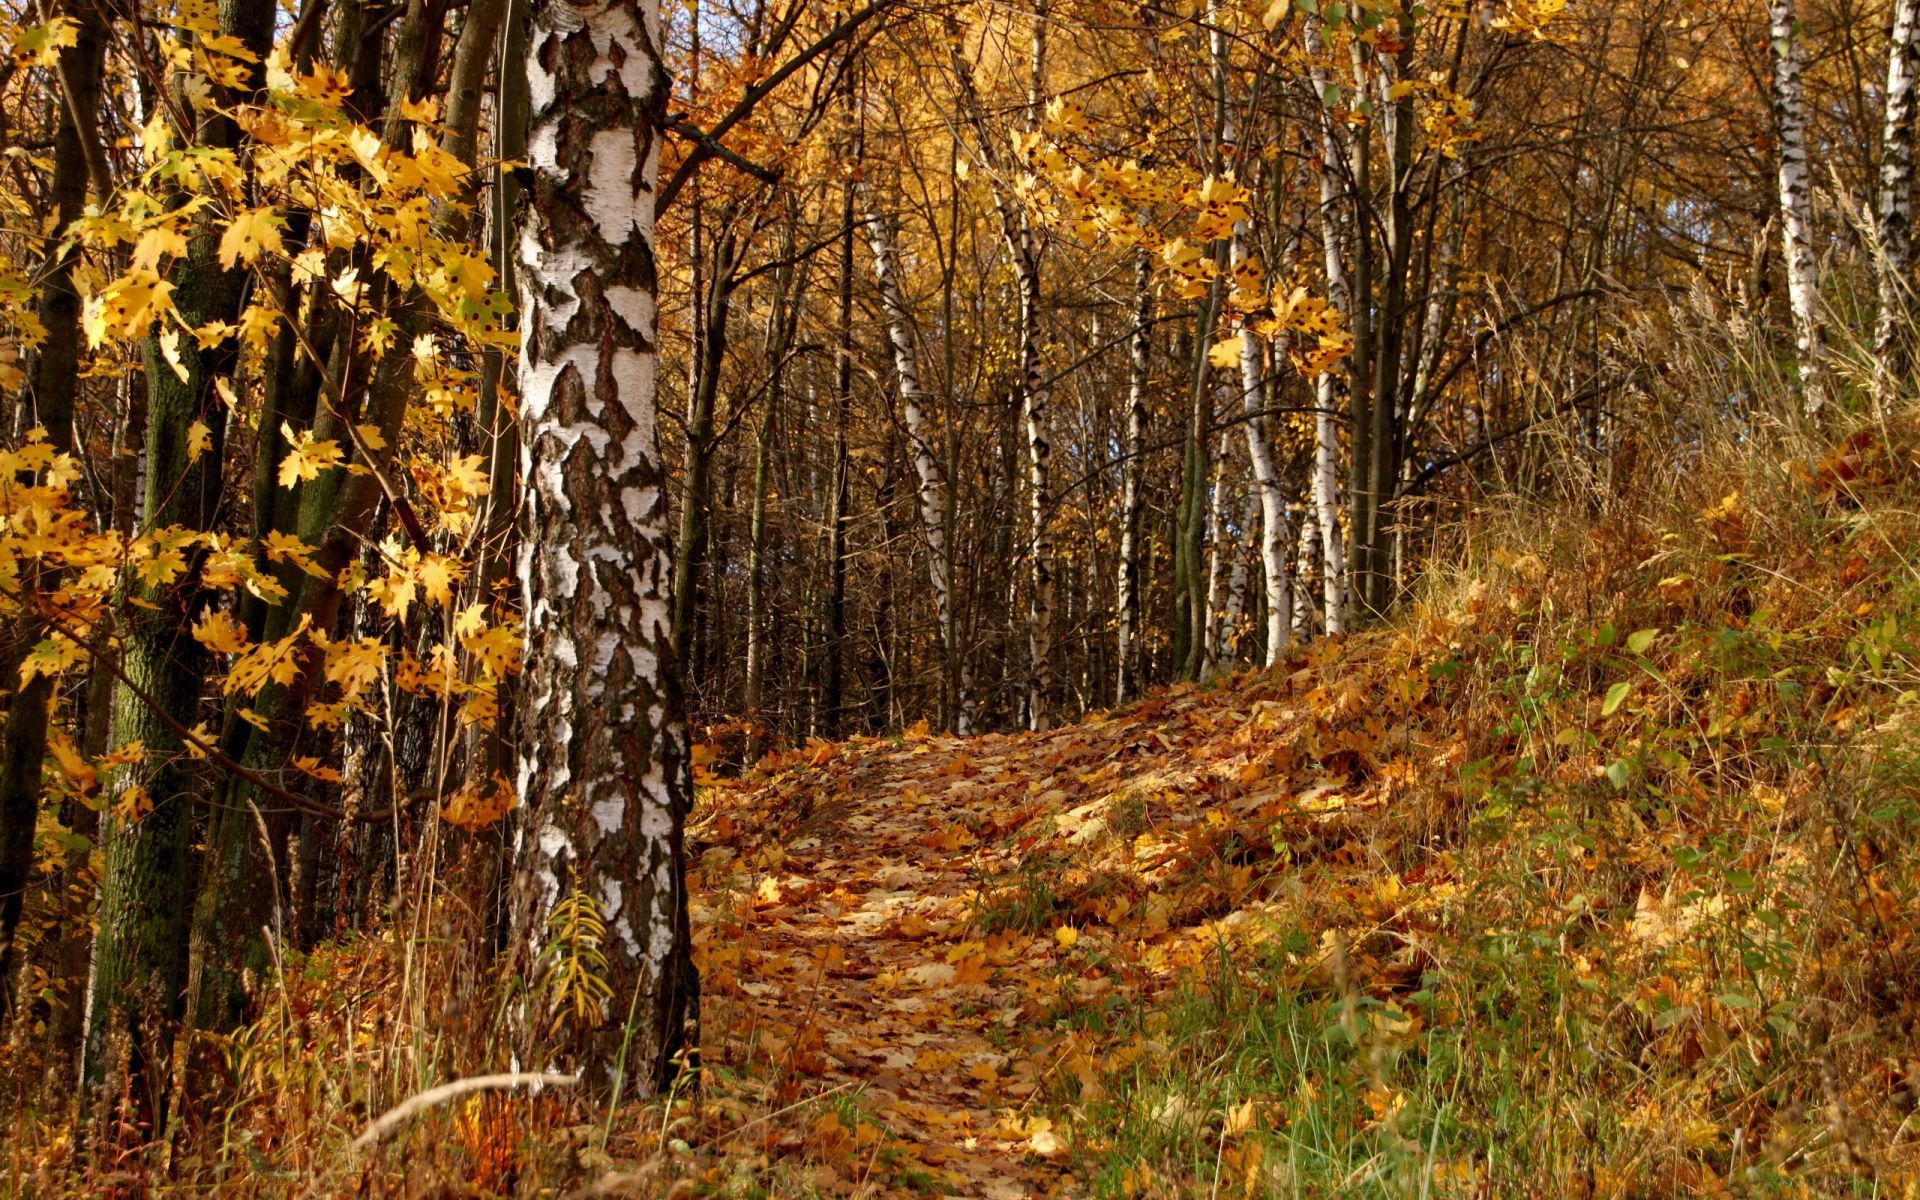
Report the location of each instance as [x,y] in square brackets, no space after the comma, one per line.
[1796,199]
[1895,207]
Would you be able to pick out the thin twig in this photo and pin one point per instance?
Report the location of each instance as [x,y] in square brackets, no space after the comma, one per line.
[418,1103]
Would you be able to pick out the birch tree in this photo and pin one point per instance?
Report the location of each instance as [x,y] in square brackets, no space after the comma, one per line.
[1127,583]
[603,760]
[1796,199]
[929,477]
[1894,212]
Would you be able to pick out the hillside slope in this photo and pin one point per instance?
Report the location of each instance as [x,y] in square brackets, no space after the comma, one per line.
[1592,875]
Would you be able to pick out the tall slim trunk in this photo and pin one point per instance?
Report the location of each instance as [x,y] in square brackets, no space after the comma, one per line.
[1139,379]
[931,479]
[832,686]
[1275,540]
[1190,522]
[1234,626]
[603,770]
[1892,337]
[1796,201]
[1326,441]
[1034,416]
[1219,496]
[1302,572]
[55,386]
[782,324]
[709,356]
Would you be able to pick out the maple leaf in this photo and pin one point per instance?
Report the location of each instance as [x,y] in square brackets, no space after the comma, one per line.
[1226,354]
[306,457]
[40,45]
[253,232]
[199,439]
[354,666]
[217,631]
[496,648]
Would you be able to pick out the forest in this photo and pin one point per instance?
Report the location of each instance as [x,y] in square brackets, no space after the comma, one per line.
[1001,598]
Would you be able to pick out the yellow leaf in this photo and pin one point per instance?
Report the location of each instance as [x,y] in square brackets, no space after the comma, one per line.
[199,438]
[1066,935]
[40,45]
[306,457]
[1227,353]
[217,631]
[254,232]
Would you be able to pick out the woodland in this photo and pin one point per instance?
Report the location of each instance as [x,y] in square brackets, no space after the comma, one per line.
[1122,598]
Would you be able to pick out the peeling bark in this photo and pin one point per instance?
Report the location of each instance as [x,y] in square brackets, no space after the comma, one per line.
[603,767]
[1796,201]
[1892,348]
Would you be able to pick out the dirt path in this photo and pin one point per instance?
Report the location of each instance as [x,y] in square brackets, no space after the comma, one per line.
[856,966]
[918,926]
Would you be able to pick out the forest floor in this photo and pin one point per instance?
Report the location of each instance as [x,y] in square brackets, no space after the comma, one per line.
[1593,874]
[934,930]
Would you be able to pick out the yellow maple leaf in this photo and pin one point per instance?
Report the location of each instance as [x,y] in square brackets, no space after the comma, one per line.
[1227,353]
[199,439]
[40,45]
[255,231]
[217,631]
[306,456]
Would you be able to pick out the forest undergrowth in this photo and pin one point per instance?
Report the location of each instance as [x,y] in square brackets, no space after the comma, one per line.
[1592,874]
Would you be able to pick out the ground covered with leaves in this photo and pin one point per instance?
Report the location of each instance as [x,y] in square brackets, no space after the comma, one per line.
[1594,875]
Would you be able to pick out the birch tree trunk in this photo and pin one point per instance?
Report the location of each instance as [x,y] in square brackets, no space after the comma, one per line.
[1127,603]
[1326,422]
[1891,339]
[931,479]
[603,767]
[1274,538]
[1796,201]
[1033,412]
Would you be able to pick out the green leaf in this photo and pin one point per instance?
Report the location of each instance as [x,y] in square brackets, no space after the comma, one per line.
[1639,642]
[1617,775]
[1616,695]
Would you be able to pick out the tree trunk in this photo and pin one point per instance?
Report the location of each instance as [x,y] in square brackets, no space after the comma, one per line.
[141,954]
[603,770]
[1892,335]
[1796,202]
[1139,379]
[709,356]
[1275,541]
[1326,422]
[932,489]
[23,739]
[1025,246]
[833,684]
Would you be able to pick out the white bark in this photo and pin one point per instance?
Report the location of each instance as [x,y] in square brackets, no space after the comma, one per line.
[1128,584]
[1274,538]
[1796,200]
[1303,571]
[1326,423]
[1033,404]
[603,759]
[1895,208]
[920,432]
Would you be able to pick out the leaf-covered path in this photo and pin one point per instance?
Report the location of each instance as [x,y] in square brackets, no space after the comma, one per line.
[925,929]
